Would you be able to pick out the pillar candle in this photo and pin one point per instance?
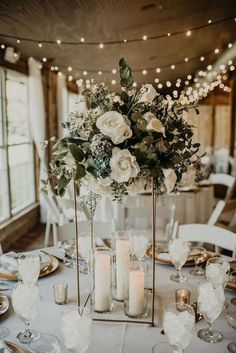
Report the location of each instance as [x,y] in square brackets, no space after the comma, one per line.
[136,292]
[102,274]
[122,264]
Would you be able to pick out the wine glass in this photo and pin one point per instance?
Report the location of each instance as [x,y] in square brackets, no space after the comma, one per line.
[76,328]
[29,267]
[231,319]
[179,252]
[210,303]
[198,253]
[140,244]
[25,302]
[178,324]
[217,271]
[232,279]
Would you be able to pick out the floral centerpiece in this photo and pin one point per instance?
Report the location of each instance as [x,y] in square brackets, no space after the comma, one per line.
[123,141]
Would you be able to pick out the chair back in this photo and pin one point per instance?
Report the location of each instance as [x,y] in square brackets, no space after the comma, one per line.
[209,234]
[216,213]
[68,205]
[226,180]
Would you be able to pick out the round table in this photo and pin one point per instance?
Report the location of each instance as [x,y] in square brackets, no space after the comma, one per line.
[117,337]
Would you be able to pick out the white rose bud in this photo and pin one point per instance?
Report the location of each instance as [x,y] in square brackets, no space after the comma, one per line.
[147,93]
[154,124]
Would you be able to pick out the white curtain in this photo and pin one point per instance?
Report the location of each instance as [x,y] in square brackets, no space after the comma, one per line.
[38,121]
[62,102]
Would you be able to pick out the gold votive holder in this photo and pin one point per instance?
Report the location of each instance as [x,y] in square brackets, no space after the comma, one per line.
[182,296]
[60,292]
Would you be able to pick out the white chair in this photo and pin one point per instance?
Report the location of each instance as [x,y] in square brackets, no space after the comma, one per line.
[67,231]
[226,180]
[205,233]
[216,213]
[67,208]
[227,218]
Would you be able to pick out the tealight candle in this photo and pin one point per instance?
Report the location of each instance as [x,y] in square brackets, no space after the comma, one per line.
[182,296]
[60,291]
[102,282]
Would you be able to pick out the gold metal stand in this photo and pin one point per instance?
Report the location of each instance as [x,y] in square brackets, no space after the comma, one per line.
[151,322]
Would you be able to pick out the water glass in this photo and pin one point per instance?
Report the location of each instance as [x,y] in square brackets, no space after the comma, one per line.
[46,344]
[217,271]
[76,326]
[210,303]
[179,252]
[231,318]
[198,253]
[182,296]
[140,244]
[29,267]
[178,325]
[25,302]
[60,291]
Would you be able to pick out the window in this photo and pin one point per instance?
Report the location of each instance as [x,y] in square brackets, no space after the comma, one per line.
[17,187]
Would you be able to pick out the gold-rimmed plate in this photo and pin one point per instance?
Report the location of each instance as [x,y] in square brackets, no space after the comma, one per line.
[162,256]
[13,347]
[231,286]
[4,304]
[54,263]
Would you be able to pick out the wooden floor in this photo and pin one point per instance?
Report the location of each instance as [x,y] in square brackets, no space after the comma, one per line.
[34,239]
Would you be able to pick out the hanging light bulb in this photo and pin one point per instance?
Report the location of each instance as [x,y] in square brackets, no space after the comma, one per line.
[145,37]
[158,70]
[40,45]
[58,41]
[99,73]
[186,60]
[82,40]
[69,68]
[157,80]
[144,72]
[113,71]
[202,58]
[101,45]
[113,82]
[188,33]
[172,67]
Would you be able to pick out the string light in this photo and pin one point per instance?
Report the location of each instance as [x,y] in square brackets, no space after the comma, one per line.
[113,71]
[101,45]
[209,22]
[113,82]
[168,34]
[18,41]
[125,40]
[69,68]
[2,46]
[82,40]
[85,73]
[70,78]
[44,60]
[202,58]
[172,67]
[188,33]
[230,45]
[158,70]
[189,77]
[186,60]
[159,86]
[40,45]
[144,72]
[58,41]
[157,80]
[145,37]
[216,51]
[134,84]
[100,73]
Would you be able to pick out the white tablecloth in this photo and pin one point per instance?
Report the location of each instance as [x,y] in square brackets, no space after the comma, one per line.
[117,338]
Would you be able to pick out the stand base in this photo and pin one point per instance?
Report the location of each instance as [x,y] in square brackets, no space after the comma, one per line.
[28,336]
[232,347]
[178,278]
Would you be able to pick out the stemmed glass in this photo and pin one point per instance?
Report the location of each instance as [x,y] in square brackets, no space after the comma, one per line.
[231,318]
[217,271]
[210,303]
[76,326]
[4,305]
[232,279]
[198,253]
[29,267]
[179,252]
[25,302]
[178,324]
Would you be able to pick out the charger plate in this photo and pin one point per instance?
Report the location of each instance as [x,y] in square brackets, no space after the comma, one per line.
[14,348]
[4,304]
[231,286]
[54,263]
[162,256]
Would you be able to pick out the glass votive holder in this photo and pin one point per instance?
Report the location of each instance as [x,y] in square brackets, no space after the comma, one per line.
[101,294]
[182,297]
[136,290]
[60,291]
[122,247]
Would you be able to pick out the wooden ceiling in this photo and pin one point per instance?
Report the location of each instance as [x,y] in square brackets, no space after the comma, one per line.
[108,20]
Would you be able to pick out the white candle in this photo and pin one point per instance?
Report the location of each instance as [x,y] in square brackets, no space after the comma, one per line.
[136,292]
[102,274]
[122,264]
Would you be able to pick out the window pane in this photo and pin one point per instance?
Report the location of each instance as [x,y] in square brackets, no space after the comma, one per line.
[4,199]
[1,117]
[21,176]
[17,108]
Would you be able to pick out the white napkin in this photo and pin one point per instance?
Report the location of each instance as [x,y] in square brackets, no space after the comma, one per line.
[179,328]
[211,300]
[9,260]
[76,331]
[217,273]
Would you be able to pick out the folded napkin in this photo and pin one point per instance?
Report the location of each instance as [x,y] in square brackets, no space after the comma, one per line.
[9,260]
[211,300]
[217,273]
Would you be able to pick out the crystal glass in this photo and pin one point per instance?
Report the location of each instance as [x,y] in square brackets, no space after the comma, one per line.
[122,247]
[46,344]
[136,290]
[198,252]
[178,251]
[101,293]
[25,302]
[29,267]
[76,326]
[178,324]
[210,301]
[231,319]
[217,271]
[140,244]
[4,305]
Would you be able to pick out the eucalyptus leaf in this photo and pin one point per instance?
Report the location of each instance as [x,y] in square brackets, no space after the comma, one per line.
[80,171]
[76,152]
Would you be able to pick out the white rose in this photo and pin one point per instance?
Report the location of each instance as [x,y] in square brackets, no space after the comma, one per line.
[123,165]
[114,125]
[147,93]
[170,179]
[154,124]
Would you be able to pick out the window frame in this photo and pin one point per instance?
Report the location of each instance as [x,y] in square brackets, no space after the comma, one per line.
[5,146]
